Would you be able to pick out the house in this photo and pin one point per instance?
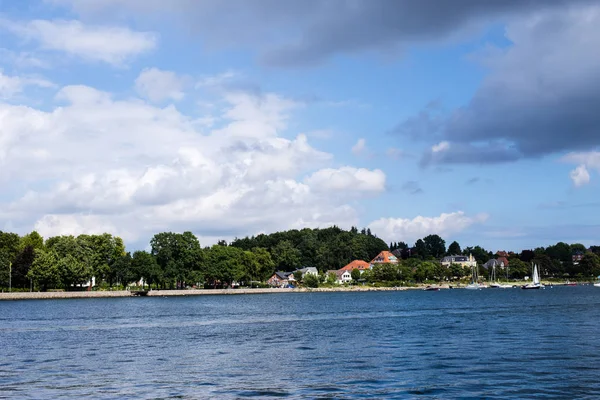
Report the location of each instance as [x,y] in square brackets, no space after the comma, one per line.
[463,261]
[356,264]
[308,271]
[495,262]
[576,257]
[503,260]
[343,276]
[502,253]
[385,257]
[281,279]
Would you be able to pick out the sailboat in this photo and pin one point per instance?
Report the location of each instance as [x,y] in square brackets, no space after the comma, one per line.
[494,283]
[535,284]
[474,285]
[597,284]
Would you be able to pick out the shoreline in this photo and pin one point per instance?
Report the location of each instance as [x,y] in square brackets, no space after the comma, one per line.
[186,292]
[216,292]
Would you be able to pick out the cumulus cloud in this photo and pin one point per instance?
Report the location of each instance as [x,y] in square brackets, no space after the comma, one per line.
[97,162]
[347,179]
[541,95]
[580,176]
[13,85]
[109,44]
[409,230]
[157,85]
[586,160]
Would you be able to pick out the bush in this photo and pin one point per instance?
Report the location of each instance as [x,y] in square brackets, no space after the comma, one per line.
[311,281]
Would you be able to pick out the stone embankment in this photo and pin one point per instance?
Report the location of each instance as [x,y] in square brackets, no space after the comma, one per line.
[189,292]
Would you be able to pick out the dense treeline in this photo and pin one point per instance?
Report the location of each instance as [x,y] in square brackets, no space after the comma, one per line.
[177,260]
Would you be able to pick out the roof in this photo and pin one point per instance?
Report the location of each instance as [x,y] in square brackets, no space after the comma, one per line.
[356,264]
[283,274]
[385,257]
[308,269]
[493,263]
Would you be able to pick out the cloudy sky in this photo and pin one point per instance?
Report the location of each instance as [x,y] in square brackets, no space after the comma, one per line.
[478,121]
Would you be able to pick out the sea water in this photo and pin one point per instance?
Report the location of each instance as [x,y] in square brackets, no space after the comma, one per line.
[492,343]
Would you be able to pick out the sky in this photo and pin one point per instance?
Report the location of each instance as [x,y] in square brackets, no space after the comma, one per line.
[477,121]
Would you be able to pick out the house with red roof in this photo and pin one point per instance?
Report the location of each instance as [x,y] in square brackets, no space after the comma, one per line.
[356,264]
[385,257]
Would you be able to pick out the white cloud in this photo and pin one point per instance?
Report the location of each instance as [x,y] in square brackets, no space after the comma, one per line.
[586,160]
[109,44]
[580,176]
[157,85]
[409,230]
[359,147]
[97,162]
[12,85]
[347,179]
[442,146]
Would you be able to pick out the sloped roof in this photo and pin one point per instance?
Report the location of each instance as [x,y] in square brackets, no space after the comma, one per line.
[384,257]
[356,264]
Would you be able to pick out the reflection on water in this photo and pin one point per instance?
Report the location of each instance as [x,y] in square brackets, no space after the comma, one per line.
[453,343]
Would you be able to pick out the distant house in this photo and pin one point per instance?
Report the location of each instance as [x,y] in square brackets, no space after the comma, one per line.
[502,253]
[308,271]
[576,257]
[356,264]
[343,276]
[385,257]
[495,262]
[281,279]
[463,261]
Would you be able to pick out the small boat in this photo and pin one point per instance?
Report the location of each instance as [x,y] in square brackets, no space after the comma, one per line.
[567,283]
[432,288]
[597,284]
[494,284]
[535,284]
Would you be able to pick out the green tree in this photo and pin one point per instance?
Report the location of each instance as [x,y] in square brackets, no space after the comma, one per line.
[33,240]
[266,265]
[178,255]
[122,271]
[436,246]
[421,249]
[355,273]
[311,281]
[286,256]
[45,270]
[454,248]
[144,265]
[73,271]
[21,265]
[331,278]
[590,265]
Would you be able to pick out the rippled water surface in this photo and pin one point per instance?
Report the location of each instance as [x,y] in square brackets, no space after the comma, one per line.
[491,343]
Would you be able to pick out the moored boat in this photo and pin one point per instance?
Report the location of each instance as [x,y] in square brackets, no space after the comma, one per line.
[535,284]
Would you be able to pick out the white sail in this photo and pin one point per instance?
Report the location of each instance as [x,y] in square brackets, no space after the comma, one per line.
[536,278]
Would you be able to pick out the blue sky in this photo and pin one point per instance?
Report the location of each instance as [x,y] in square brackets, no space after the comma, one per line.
[476,121]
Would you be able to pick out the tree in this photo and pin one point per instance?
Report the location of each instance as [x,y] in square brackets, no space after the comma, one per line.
[45,271]
[265,262]
[355,273]
[33,240]
[286,256]
[590,265]
[454,248]
[331,278]
[298,276]
[178,255]
[72,271]
[122,270]
[436,246]
[144,265]
[421,249]
[21,265]
[311,281]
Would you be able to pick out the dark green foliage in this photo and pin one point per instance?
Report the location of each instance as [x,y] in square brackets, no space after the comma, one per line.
[311,281]
[329,248]
[454,248]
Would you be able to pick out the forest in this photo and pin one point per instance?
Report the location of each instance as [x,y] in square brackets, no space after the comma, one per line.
[177,260]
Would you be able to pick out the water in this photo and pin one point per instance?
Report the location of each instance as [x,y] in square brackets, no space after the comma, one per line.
[491,343]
